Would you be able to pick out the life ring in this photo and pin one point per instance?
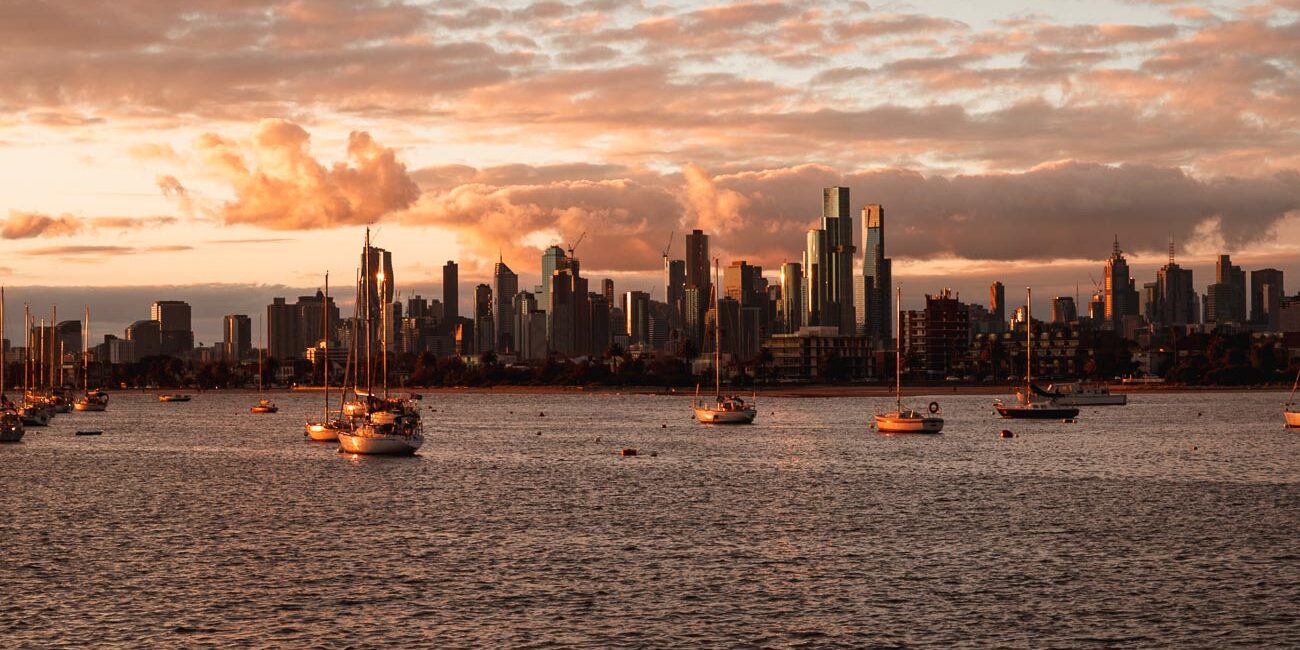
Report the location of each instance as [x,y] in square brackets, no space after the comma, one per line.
[934,407]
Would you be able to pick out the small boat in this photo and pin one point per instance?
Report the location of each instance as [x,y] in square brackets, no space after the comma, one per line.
[326,429]
[725,409]
[906,420]
[1291,412]
[264,406]
[90,432]
[1082,393]
[1026,407]
[94,400]
[174,397]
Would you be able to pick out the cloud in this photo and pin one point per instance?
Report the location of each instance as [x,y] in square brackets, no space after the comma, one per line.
[26,225]
[279,185]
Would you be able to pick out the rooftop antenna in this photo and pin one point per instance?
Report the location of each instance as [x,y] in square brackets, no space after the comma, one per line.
[1171,250]
[1116,250]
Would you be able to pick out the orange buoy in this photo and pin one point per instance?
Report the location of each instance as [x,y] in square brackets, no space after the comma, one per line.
[1006,433]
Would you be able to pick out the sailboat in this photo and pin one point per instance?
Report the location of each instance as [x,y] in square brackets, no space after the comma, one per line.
[263,405]
[725,409]
[1045,408]
[94,400]
[327,428]
[11,421]
[35,412]
[1292,409]
[387,425]
[906,420]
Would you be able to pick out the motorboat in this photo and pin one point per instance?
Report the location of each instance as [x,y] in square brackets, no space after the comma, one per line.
[724,409]
[95,400]
[903,419]
[264,406]
[1027,406]
[1082,393]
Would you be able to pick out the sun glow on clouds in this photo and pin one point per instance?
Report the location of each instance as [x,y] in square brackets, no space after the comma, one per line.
[992,134]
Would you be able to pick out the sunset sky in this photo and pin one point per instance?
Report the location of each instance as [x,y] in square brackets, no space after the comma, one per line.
[199,150]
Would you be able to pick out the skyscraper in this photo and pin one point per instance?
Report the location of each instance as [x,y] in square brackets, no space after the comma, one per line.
[837,222]
[814,278]
[636,305]
[1175,295]
[792,296]
[450,295]
[283,336]
[238,337]
[1226,298]
[1266,294]
[697,260]
[998,301]
[675,285]
[1120,291]
[878,273]
[484,322]
[1064,309]
[553,258]
[505,284]
[176,334]
[607,288]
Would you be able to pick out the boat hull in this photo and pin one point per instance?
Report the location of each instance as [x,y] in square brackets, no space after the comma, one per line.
[36,418]
[1036,413]
[1292,419]
[263,409]
[378,445]
[1092,400]
[320,432]
[893,423]
[711,416]
[84,407]
[11,427]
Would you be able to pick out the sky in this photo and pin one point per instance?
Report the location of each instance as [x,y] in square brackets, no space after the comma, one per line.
[228,151]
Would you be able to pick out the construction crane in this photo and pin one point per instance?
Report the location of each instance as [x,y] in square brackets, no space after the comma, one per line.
[670,243]
[575,244]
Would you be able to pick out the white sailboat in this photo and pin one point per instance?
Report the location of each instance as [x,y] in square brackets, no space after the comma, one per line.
[1292,409]
[326,429]
[11,421]
[724,409]
[386,425]
[906,420]
[1025,407]
[35,412]
[94,400]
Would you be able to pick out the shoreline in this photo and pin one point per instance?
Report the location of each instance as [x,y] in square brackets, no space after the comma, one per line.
[767,391]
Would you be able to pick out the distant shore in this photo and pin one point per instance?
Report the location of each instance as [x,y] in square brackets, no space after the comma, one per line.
[856,390]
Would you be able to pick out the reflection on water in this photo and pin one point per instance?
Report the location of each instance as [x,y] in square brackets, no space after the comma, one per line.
[1171,521]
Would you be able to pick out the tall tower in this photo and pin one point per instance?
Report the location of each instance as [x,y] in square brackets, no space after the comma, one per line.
[1121,294]
[238,336]
[450,295]
[553,259]
[815,265]
[1175,294]
[505,284]
[877,271]
[697,260]
[792,296]
[173,318]
[998,301]
[838,224]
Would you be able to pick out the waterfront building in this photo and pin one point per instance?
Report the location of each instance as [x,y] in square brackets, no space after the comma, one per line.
[937,339]
[819,353]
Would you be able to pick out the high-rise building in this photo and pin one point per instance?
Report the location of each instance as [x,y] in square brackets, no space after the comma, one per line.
[1266,293]
[636,305]
[815,268]
[1064,310]
[1226,298]
[938,338]
[696,303]
[877,271]
[998,301]
[377,268]
[67,339]
[147,336]
[568,329]
[484,322]
[505,285]
[450,294]
[697,261]
[792,296]
[1175,295]
[1120,291]
[675,285]
[837,222]
[607,288]
[173,318]
[316,316]
[553,259]
[283,335]
[237,337]
[738,282]
[600,330]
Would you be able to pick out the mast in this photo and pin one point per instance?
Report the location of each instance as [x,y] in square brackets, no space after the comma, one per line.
[365,293]
[1029,342]
[40,340]
[383,329]
[325,327]
[85,354]
[260,350]
[54,324]
[898,355]
[717,331]
[4,354]
[27,349]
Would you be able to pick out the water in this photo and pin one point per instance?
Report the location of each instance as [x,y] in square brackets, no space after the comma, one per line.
[1168,522]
